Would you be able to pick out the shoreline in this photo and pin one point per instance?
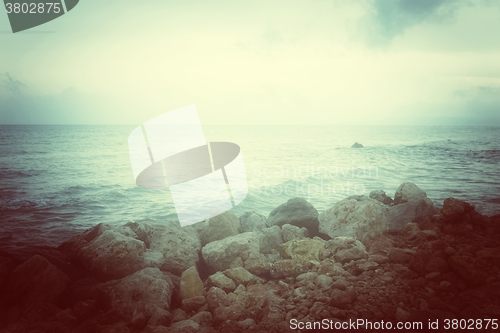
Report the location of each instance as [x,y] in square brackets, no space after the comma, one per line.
[368,257]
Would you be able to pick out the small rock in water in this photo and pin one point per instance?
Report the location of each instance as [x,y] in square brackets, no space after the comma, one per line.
[357,145]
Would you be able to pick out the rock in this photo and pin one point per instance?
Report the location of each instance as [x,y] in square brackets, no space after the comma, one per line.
[252,221]
[185,324]
[410,231]
[342,299]
[298,212]
[357,145]
[219,227]
[291,232]
[307,249]
[454,210]
[221,281]
[219,254]
[172,248]
[217,298]
[408,192]
[416,211]
[148,291]
[402,315]
[241,276]
[246,324]
[35,281]
[324,282]
[107,251]
[465,267]
[275,309]
[380,195]
[345,249]
[270,239]
[359,217]
[6,266]
[203,318]
[191,284]
[289,267]
[193,303]
[179,315]
[258,264]
[306,278]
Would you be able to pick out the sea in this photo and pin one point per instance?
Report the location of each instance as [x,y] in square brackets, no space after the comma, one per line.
[57,181]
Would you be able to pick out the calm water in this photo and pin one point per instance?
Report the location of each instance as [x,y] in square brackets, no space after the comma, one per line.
[58,180]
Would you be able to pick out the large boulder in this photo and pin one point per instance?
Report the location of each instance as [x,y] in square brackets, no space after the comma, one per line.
[219,254]
[270,239]
[307,249]
[258,264]
[35,281]
[252,221]
[413,211]
[359,217]
[298,212]
[144,294]
[219,227]
[408,192]
[454,209]
[109,252]
[172,248]
[191,284]
[241,276]
[380,195]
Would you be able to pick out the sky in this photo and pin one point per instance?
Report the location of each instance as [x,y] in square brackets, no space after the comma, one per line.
[310,62]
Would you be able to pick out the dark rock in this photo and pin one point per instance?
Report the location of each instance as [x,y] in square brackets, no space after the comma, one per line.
[252,221]
[298,212]
[380,195]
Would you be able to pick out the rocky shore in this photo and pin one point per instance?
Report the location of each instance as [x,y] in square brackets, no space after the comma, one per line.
[373,257]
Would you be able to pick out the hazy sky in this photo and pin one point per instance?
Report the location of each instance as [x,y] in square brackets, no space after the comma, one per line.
[257,62]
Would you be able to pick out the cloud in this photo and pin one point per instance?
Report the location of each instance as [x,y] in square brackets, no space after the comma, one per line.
[481,104]
[390,18]
[11,85]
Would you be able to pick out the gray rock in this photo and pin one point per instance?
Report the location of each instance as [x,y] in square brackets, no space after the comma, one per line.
[346,249]
[109,252]
[219,254]
[307,249]
[408,192]
[290,268]
[148,291]
[258,264]
[413,211]
[298,212]
[324,282]
[217,298]
[357,145]
[219,227]
[380,195]
[291,232]
[185,324]
[269,239]
[172,248]
[241,276]
[221,281]
[252,221]
[359,217]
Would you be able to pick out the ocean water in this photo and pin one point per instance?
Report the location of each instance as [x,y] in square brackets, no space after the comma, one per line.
[56,181]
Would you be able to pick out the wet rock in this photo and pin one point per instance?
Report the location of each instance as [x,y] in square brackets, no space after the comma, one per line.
[221,281]
[270,239]
[191,284]
[147,291]
[258,264]
[219,227]
[408,192]
[219,254]
[291,232]
[252,221]
[35,281]
[359,217]
[241,276]
[307,249]
[380,195]
[298,212]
